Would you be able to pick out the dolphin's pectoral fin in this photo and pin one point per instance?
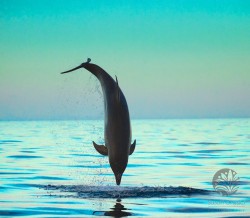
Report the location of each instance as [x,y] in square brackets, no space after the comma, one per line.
[132,147]
[117,89]
[101,149]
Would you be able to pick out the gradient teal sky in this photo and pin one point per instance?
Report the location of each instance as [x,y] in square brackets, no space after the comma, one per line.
[173,59]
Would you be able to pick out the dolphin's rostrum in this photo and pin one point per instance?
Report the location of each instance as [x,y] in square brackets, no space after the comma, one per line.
[117,133]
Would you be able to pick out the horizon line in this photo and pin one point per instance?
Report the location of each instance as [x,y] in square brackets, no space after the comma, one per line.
[100,119]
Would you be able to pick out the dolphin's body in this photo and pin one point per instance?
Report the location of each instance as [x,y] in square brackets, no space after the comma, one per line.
[117,122]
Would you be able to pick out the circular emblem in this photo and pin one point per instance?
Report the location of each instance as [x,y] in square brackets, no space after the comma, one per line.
[225,181]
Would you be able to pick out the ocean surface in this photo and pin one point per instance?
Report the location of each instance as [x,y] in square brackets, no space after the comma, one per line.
[51,169]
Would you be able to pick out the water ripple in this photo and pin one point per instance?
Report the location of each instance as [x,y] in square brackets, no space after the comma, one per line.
[207,143]
[9,141]
[24,156]
[200,210]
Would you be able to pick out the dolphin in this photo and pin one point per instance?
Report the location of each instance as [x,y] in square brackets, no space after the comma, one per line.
[117,128]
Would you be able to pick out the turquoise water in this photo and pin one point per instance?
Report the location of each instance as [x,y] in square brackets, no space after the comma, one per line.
[51,169]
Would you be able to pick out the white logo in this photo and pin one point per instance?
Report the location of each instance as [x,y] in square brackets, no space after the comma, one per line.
[225,181]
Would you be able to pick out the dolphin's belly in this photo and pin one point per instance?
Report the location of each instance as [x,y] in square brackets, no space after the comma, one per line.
[118,133]
[117,130]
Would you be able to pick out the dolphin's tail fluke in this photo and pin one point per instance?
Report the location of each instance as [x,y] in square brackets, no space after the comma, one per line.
[80,66]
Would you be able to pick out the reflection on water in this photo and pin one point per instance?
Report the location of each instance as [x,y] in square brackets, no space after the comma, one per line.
[117,211]
[51,169]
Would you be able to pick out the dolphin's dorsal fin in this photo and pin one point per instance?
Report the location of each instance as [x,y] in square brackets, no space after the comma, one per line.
[116,80]
[101,149]
[132,147]
[117,89]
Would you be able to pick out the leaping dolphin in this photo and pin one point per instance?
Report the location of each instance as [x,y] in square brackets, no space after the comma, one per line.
[117,129]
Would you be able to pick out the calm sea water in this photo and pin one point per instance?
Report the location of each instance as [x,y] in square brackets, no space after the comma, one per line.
[51,169]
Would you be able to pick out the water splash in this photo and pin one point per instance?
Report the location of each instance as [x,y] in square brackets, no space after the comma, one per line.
[85,191]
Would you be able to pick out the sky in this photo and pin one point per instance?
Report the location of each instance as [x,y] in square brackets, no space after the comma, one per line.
[173,58]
